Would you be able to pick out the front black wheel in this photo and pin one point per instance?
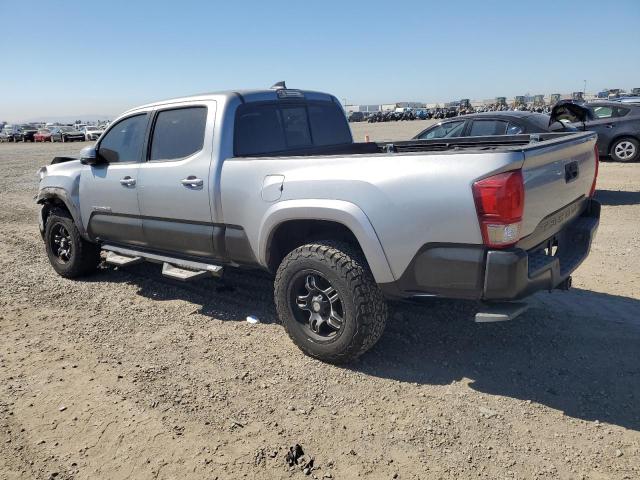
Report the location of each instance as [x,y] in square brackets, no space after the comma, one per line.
[69,254]
[328,301]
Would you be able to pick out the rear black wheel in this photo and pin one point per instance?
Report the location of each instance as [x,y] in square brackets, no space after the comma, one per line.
[320,310]
[329,302]
[625,150]
[70,255]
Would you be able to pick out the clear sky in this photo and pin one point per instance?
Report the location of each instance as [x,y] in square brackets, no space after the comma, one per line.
[79,57]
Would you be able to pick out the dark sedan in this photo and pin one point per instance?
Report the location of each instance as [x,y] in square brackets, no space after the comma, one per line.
[66,134]
[618,128]
[492,123]
[27,132]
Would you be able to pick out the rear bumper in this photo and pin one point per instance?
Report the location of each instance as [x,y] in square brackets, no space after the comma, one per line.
[473,272]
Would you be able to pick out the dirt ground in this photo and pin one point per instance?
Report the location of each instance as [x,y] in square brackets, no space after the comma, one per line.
[128,375]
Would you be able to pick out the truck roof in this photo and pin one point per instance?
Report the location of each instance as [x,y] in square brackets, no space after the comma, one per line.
[246,96]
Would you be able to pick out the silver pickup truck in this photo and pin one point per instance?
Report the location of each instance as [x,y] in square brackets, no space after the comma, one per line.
[271,179]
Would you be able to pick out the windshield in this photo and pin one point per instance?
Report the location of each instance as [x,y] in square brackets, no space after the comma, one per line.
[66,129]
[91,129]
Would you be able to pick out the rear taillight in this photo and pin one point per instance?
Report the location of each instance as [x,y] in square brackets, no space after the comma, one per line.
[595,175]
[500,203]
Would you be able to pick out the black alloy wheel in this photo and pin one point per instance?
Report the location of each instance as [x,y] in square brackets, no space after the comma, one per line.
[328,301]
[316,305]
[61,243]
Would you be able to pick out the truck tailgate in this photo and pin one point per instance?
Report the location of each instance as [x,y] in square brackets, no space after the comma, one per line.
[557,175]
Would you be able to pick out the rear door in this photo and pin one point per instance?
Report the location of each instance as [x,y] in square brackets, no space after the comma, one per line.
[175,181]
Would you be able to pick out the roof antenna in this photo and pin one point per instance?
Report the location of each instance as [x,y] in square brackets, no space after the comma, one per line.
[279,85]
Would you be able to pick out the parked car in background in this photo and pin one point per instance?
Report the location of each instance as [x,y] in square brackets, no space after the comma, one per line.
[618,128]
[493,123]
[91,132]
[11,133]
[43,135]
[27,132]
[66,134]
[356,117]
[628,100]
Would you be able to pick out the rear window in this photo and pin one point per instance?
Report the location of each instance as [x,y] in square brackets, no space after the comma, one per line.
[264,128]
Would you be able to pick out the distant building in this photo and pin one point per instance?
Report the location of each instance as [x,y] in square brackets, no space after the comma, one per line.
[362,108]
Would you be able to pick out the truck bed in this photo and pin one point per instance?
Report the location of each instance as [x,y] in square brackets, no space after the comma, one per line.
[481,144]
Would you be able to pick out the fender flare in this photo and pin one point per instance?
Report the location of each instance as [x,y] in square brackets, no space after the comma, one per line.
[339,211]
[49,193]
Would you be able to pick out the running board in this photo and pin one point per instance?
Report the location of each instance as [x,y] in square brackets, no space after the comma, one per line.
[172,267]
[500,312]
[182,274]
[122,260]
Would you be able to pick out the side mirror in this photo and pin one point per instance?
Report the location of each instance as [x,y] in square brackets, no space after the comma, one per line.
[89,156]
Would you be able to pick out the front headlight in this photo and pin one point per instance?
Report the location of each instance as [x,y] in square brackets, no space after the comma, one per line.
[42,172]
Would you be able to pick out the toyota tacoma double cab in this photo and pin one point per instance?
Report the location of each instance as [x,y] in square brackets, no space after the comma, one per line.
[271,179]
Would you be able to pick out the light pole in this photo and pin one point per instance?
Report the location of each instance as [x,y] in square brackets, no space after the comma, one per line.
[584,92]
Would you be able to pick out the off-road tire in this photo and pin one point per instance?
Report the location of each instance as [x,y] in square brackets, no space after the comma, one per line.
[365,307]
[632,145]
[85,256]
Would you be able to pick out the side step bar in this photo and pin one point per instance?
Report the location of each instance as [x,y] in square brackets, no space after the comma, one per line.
[175,268]
[122,260]
[500,312]
[183,274]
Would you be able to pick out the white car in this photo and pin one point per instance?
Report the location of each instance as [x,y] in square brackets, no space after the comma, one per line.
[92,132]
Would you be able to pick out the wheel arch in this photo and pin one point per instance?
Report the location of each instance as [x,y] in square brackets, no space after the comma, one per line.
[51,197]
[292,223]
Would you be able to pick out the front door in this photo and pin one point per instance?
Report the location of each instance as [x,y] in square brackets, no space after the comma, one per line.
[174,187]
[109,189]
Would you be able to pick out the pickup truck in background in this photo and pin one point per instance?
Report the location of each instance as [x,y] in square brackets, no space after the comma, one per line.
[271,179]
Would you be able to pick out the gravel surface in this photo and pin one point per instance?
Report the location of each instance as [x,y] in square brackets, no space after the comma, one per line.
[127,374]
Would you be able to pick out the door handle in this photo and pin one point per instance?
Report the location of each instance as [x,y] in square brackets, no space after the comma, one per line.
[610,125]
[128,181]
[192,181]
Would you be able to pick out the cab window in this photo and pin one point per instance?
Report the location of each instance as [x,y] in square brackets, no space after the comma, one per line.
[123,142]
[444,130]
